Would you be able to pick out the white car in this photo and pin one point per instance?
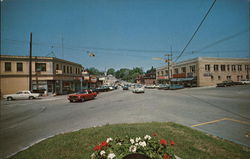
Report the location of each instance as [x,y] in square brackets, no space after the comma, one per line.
[138,90]
[245,81]
[21,95]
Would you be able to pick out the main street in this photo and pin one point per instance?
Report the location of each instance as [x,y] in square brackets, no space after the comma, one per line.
[222,112]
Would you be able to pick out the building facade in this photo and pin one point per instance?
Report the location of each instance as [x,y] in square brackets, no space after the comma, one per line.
[49,75]
[204,71]
[146,79]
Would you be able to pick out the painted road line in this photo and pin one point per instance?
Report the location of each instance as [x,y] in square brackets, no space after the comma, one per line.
[238,121]
[219,120]
[210,122]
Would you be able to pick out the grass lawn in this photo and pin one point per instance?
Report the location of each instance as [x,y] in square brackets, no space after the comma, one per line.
[189,143]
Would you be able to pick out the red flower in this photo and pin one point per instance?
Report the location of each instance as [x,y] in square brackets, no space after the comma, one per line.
[98,147]
[104,143]
[166,156]
[163,142]
[172,142]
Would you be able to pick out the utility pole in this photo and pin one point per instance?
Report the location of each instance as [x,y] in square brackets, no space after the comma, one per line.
[30,64]
[169,59]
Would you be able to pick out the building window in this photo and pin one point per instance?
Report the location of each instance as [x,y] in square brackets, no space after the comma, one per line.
[228,67]
[233,68]
[207,67]
[228,77]
[71,70]
[223,67]
[161,72]
[158,73]
[239,68]
[216,67]
[166,72]
[192,68]
[246,67]
[67,69]
[218,77]
[19,67]
[176,71]
[40,67]
[7,66]
[212,77]
[64,69]
[57,66]
[183,69]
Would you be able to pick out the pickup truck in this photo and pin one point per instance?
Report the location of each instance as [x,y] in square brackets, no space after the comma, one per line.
[21,95]
[82,96]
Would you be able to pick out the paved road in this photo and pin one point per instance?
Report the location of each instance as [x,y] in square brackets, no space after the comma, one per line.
[224,112]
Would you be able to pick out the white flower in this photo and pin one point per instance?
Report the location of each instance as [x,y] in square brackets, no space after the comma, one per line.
[136,144]
[92,156]
[147,137]
[137,139]
[132,148]
[111,156]
[142,143]
[109,139]
[102,153]
[132,141]
[119,143]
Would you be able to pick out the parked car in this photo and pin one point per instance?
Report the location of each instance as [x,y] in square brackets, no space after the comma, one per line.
[245,81]
[82,96]
[138,90]
[95,90]
[125,87]
[150,86]
[103,89]
[163,86]
[21,95]
[225,84]
[175,86]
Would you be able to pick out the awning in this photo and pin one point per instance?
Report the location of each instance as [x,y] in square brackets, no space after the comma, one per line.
[181,79]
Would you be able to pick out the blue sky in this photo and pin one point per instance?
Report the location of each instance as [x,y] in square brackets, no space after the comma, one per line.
[124,33]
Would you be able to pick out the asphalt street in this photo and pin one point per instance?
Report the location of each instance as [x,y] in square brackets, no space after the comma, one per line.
[223,112]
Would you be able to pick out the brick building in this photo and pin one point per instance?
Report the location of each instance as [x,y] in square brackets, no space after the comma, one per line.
[205,71]
[49,74]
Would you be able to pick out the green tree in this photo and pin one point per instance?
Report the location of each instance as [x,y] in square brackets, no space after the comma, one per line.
[111,71]
[94,71]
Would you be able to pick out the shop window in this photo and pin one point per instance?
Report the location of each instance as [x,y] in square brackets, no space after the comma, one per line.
[207,67]
[19,67]
[7,66]
[233,68]
[40,67]
[239,68]
[216,67]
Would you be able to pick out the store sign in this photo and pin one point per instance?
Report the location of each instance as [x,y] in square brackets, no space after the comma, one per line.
[102,79]
[180,75]
[58,72]
[86,78]
[93,79]
[162,77]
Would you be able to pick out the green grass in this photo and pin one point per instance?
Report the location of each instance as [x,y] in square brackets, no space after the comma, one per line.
[189,143]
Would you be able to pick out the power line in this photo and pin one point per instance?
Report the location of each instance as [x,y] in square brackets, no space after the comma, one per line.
[196,31]
[220,41]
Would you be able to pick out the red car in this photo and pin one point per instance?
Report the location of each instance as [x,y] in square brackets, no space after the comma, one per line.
[82,96]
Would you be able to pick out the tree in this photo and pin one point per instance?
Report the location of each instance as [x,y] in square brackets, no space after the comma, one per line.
[152,70]
[111,71]
[94,71]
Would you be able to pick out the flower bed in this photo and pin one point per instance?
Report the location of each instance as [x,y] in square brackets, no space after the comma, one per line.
[121,148]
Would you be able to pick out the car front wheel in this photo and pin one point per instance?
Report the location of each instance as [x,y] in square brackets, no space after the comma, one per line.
[9,98]
[31,97]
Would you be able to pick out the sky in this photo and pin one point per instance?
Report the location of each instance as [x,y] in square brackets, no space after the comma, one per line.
[125,33]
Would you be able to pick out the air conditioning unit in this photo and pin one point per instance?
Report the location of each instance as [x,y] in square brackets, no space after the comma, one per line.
[58,72]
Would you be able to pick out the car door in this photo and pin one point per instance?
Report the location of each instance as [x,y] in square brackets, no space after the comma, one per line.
[18,95]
